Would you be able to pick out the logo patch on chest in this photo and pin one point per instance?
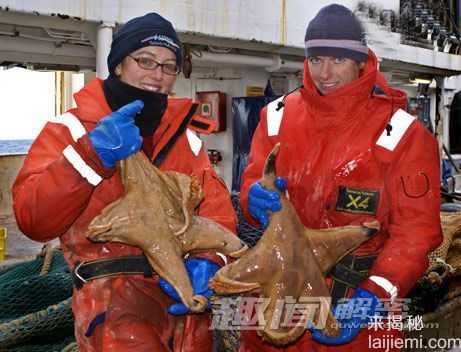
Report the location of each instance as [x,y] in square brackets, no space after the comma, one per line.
[354,200]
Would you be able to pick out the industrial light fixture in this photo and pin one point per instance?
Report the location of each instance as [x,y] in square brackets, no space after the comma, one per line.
[421,80]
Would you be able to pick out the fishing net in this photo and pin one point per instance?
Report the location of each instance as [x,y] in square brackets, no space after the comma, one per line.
[451,226]
[35,305]
[438,291]
[246,232]
[66,345]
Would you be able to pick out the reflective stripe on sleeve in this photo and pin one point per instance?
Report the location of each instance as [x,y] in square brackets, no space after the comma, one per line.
[274,117]
[79,164]
[194,142]
[400,122]
[74,125]
[386,285]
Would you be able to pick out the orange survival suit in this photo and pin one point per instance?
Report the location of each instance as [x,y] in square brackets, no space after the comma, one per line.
[349,157]
[63,185]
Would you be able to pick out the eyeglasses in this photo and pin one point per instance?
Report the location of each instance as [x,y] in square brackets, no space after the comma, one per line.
[150,64]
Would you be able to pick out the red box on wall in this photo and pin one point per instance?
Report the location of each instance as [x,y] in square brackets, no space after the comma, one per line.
[212,105]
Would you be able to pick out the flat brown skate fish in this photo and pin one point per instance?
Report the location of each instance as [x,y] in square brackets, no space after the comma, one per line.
[289,261]
[156,215]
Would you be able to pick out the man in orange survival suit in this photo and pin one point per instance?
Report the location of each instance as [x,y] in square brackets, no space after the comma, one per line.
[69,176]
[350,154]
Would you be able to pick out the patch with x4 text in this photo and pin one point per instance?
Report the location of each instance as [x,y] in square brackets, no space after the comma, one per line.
[354,200]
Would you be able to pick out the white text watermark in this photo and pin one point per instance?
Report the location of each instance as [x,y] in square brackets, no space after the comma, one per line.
[390,342]
[248,313]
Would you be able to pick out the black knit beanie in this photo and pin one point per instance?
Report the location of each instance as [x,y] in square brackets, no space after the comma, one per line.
[336,32]
[150,29]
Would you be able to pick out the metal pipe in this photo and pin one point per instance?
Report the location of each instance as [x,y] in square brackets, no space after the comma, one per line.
[104,40]
[271,64]
[26,45]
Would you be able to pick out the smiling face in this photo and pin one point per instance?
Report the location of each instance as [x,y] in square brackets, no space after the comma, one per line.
[128,71]
[330,73]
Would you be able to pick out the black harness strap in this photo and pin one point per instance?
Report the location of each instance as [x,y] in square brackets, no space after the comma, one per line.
[348,273]
[166,149]
[96,269]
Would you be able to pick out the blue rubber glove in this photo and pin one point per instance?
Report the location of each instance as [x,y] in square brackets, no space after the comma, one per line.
[116,136]
[352,316]
[260,200]
[200,272]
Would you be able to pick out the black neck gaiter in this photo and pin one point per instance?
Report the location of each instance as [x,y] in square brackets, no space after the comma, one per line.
[119,94]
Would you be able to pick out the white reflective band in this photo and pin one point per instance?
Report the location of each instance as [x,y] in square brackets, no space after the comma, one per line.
[79,164]
[194,142]
[400,122]
[386,285]
[72,123]
[222,256]
[274,117]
